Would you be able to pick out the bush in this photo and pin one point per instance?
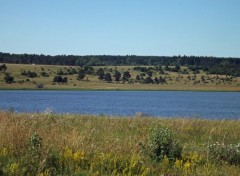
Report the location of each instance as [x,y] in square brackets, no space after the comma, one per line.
[8,78]
[44,74]
[229,153]
[29,74]
[162,143]
[60,79]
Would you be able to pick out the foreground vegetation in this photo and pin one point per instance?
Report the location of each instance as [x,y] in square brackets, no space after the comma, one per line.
[50,144]
[19,76]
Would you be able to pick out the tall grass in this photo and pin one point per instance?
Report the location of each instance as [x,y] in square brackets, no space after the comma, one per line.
[93,145]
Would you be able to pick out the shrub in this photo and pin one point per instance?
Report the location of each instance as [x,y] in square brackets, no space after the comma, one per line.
[8,78]
[29,74]
[44,74]
[229,153]
[161,143]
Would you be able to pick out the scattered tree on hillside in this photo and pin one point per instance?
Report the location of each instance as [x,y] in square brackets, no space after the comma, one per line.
[126,76]
[88,69]
[29,74]
[108,77]
[81,74]
[3,68]
[117,75]
[214,65]
[60,79]
[100,74]
[162,80]
[8,78]
[44,74]
[148,80]
[138,78]
[150,73]
[60,72]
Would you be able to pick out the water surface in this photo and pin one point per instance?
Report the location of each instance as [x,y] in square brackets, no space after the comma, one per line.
[220,105]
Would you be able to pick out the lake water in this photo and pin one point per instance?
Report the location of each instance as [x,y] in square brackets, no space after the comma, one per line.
[217,105]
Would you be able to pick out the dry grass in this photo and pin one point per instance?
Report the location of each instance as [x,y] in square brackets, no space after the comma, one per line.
[95,84]
[109,134]
[119,136]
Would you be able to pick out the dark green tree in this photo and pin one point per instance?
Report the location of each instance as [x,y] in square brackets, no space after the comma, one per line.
[117,75]
[8,78]
[138,78]
[126,76]
[57,79]
[60,79]
[65,80]
[162,80]
[150,73]
[60,72]
[176,68]
[81,74]
[88,69]
[108,77]
[29,74]
[156,80]
[100,74]
[148,80]
[100,71]
[3,68]
[44,74]
[167,68]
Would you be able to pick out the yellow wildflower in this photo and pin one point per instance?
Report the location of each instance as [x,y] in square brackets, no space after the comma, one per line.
[186,167]
[3,151]
[165,164]
[45,173]
[178,164]
[78,155]
[13,167]
[134,161]
[68,154]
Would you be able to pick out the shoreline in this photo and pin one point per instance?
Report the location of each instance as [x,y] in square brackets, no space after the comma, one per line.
[127,117]
[123,90]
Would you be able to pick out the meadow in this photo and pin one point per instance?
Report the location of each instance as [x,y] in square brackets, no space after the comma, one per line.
[184,79]
[50,144]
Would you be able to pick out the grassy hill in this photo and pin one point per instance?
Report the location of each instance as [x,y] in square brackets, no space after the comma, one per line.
[182,79]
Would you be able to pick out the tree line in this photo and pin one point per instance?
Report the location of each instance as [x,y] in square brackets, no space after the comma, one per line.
[214,65]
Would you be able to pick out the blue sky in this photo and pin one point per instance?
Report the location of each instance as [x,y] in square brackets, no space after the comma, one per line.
[121,27]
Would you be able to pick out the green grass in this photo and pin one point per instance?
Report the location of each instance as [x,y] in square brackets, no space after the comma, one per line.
[41,144]
[94,84]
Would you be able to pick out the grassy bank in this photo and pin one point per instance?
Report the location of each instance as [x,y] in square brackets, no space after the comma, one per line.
[174,80]
[50,144]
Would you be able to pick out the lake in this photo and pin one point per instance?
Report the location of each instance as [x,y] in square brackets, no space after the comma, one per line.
[216,105]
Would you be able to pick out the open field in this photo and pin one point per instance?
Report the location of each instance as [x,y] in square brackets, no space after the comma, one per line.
[174,80]
[50,144]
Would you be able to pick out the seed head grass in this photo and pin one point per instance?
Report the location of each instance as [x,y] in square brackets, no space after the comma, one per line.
[98,145]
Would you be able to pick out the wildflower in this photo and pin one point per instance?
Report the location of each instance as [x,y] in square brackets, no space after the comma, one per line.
[186,167]
[3,151]
[134,161]
[78,155]
[68,154]
[178,164]
[45,173]
[165,164]
[13,167]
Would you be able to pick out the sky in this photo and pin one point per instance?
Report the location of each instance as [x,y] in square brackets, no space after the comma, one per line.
[121,27]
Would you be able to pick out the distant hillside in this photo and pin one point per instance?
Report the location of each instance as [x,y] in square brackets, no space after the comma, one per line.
[214,65]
